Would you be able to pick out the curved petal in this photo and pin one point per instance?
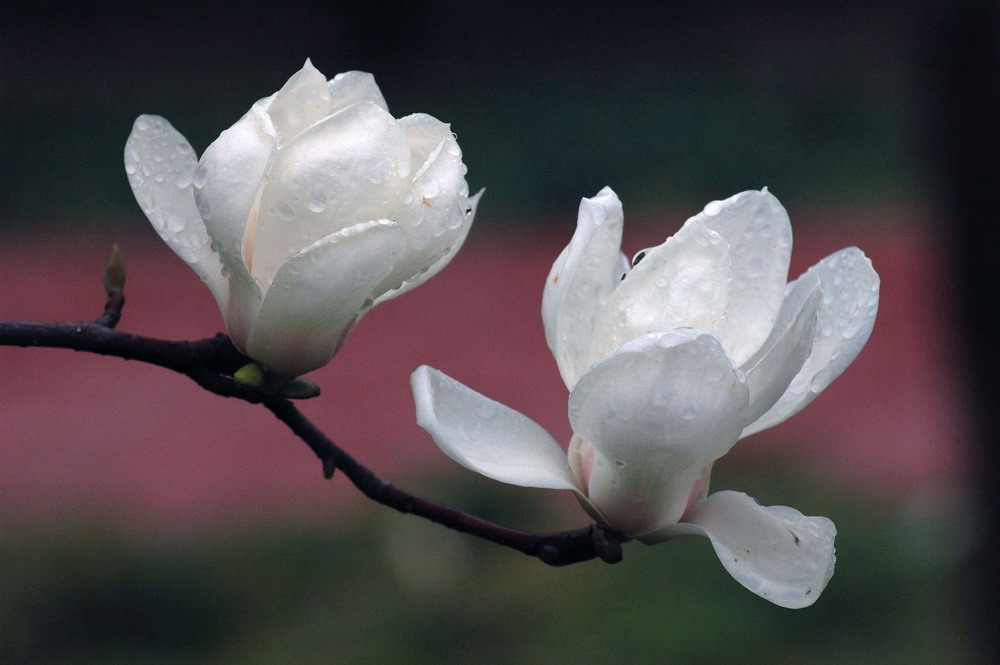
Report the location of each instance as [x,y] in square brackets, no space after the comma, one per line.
[438,265]
[160,164]
[581,279]
[656,412]
[424,134]
[434,208]
[759,234]
[227,181]
[772,369]
[318,295]
[486,436]
[347,169]
[352,87]
[775,551]
[685,282]
[304,100]
[850,289]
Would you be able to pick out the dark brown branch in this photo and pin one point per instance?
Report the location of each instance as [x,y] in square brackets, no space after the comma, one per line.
[211,363]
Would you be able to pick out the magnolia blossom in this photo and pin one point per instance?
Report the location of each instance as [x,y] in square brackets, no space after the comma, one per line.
[669,363]
[316,205]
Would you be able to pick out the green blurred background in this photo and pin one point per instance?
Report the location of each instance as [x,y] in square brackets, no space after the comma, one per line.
[829,106]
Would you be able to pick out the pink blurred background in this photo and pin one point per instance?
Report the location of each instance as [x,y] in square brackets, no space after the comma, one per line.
[83,436]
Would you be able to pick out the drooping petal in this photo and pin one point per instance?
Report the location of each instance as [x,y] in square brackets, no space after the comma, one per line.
[775,551]
[347,169]
[850,289]
[433,209]
[351,87]
[160,164]
[771,370]
[685,282]
[486,436]
[656,412]
[227,181]
[304,100]
[318,295]
[759,234]
[440,264]
[581,279]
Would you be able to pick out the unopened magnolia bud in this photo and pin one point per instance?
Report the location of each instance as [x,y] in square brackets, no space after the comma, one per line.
[114,272]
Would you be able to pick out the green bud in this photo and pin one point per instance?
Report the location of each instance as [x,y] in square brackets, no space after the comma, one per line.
[251,374]
[114,272]
[299,388]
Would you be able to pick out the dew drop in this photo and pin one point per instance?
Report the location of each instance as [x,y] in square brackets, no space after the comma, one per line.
[428,187]
[130,167]
[713,208]
[200,175]
[175,223]
[689,413]
[183,179]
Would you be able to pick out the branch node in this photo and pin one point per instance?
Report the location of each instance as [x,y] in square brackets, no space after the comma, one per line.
[607,543]
[329,467]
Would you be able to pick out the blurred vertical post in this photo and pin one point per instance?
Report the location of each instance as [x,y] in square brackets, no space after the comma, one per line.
[966,139]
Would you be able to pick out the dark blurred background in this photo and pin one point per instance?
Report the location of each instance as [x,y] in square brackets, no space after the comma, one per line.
[146,522]
[679,103]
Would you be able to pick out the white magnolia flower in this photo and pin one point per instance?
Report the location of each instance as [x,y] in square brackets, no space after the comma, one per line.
[698,345]
[314,207]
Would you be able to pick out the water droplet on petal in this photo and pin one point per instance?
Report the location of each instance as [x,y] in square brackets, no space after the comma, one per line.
[428,187]
[285,211]
[200,175]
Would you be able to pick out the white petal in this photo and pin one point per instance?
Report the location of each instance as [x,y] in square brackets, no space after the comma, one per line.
[433,211]
[304,100]
[771,370]
[776,551]
[352,87]
[438,265]
[759,234]
[850,289]
[581,279]
[685,282]
[424,134]
[486,436]
[160,164]
[347,169]
[227,181]
[656,411]
[318,295]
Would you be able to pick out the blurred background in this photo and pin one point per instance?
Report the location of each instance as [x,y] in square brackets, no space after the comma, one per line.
[145,521]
